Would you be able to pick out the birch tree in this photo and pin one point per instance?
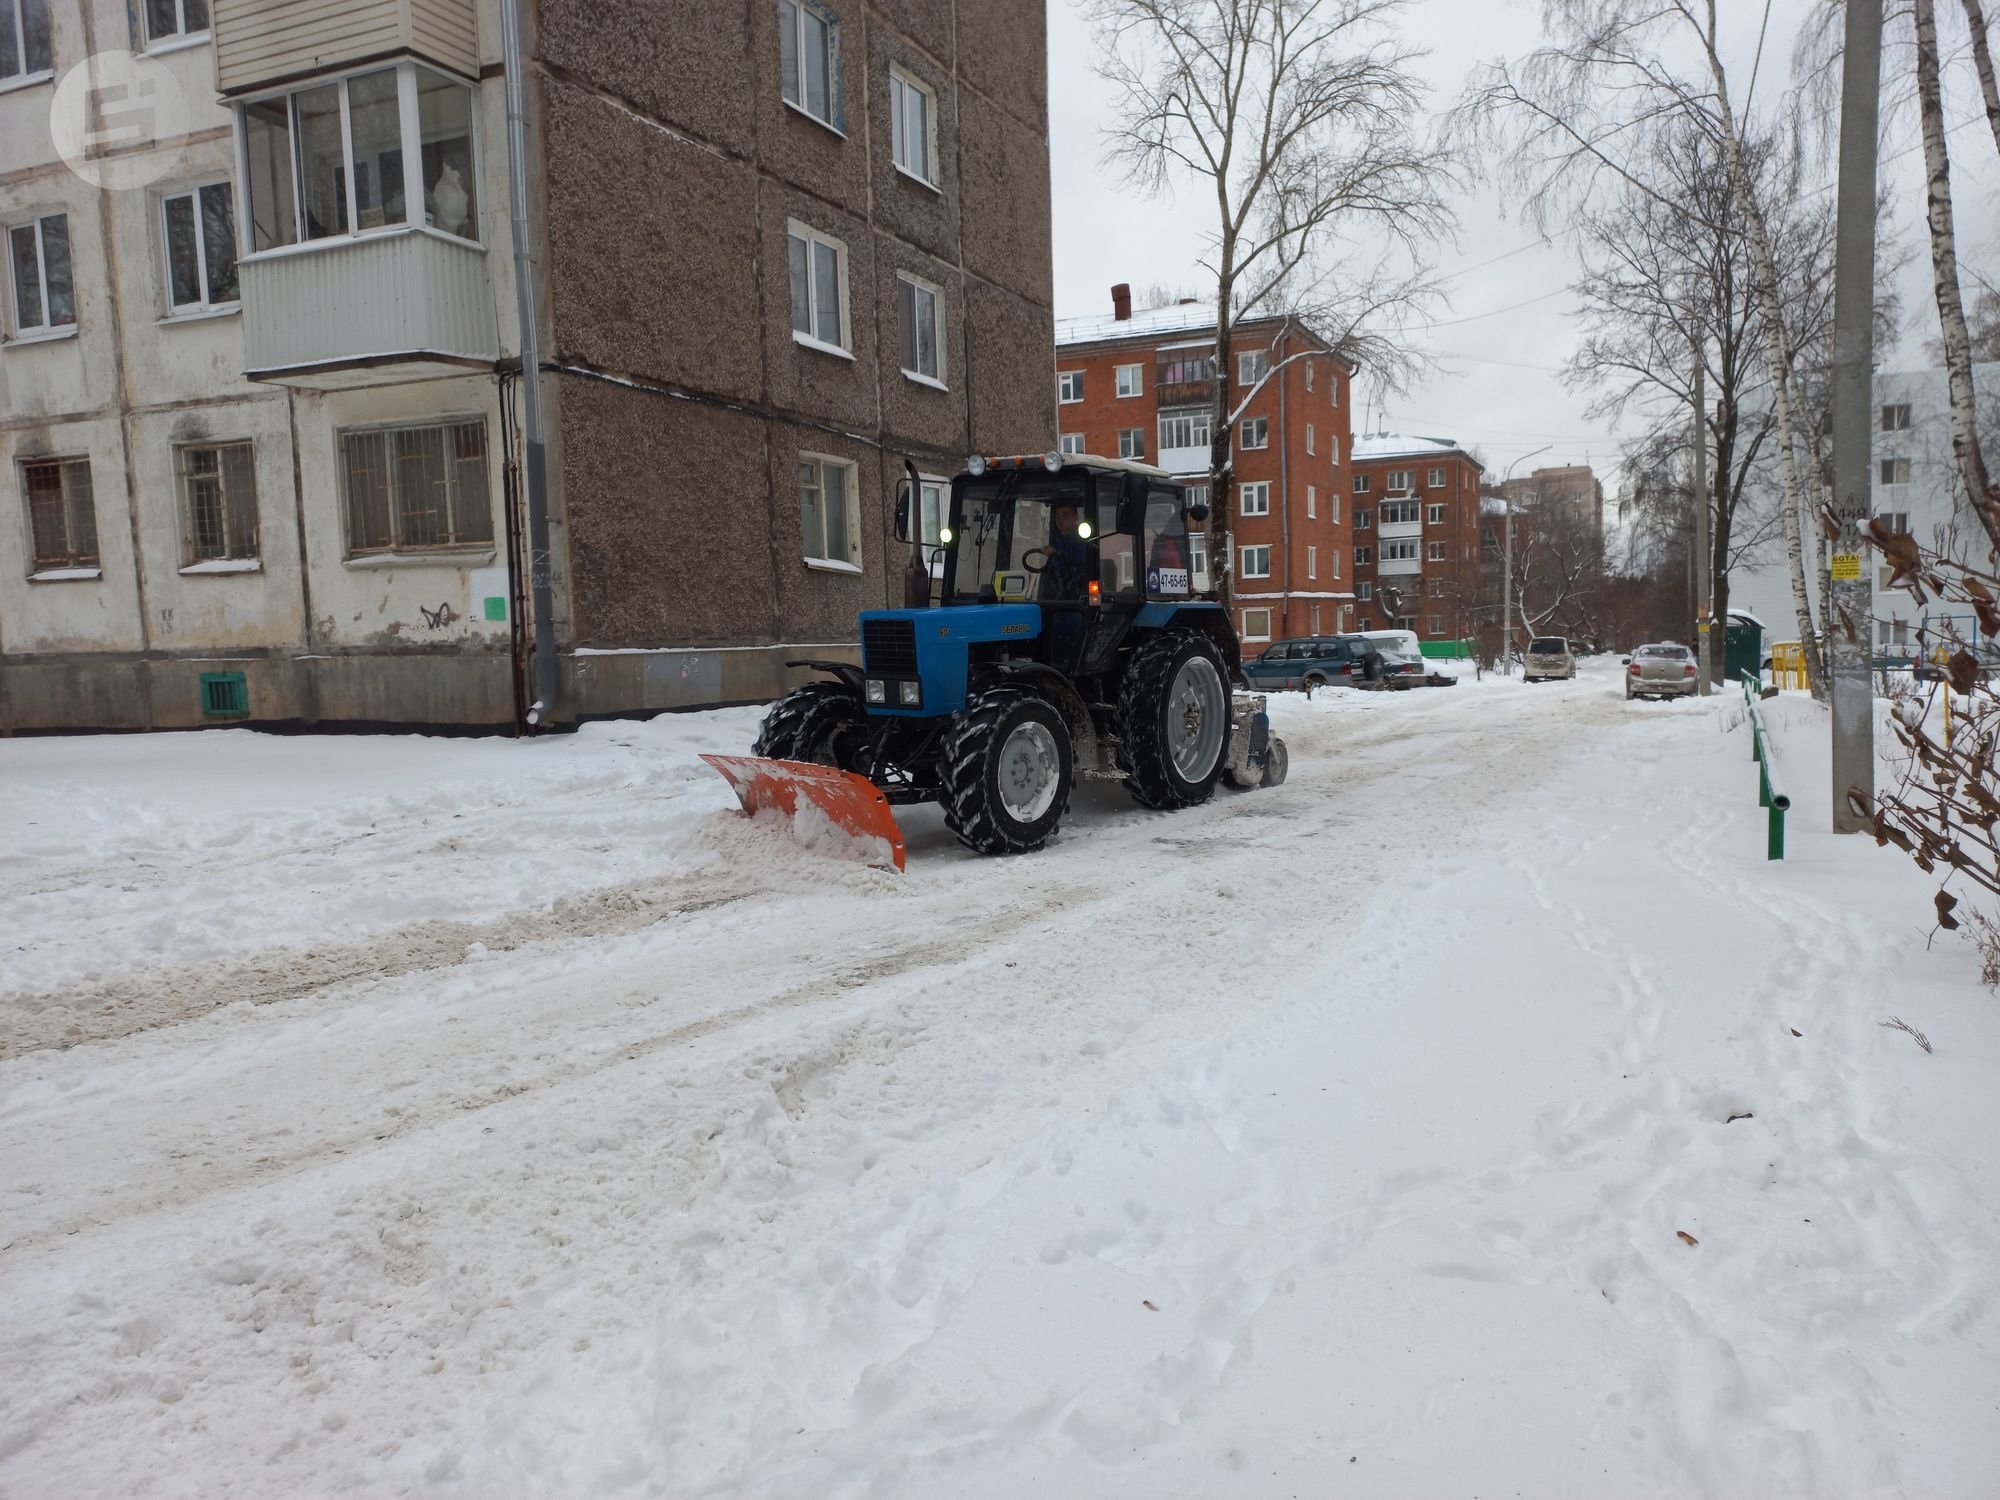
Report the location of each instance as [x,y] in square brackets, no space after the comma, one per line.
[1982,61]
[1296,118]
[1578,114]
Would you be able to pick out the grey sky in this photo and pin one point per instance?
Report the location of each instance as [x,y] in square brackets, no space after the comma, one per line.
[1511,323]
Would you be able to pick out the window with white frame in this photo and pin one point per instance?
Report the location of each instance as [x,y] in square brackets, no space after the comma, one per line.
[1364,591]
[1309,373]
[1070,442]
[1435,479]
[829,524]
[1402,549]
[1312,562]
[332,159]
[199,235]
[917,305]
[912,127]
[1360,484]
[1252,366]
[933,501]
[1897,521]
[1896,418]
[1399,512]
[1364,556]
[420,488]
[62,518]
[819,288]
[1184,429]
[1434,515]
[1436,552]
[1364,518]
[1132,442]
[1435,625]
[1198,552]
[809,60]
[1333,446]
[1314,615]
[218,502]
[1895,471]
[38,267]
[1333,563]
[1069,387]
[1256,560]
[24,39]
[1131,380]
[1398,480]
[1333,507]
[171,20]
[1254,498]
[1255,431]
[1256,624]
[1434,586]
[1310,449]
[1312,503]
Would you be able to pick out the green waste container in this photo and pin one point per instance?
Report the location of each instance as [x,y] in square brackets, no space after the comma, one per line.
[1742,648]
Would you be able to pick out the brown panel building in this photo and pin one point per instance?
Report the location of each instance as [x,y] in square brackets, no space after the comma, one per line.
[1415,503]
[1142,385]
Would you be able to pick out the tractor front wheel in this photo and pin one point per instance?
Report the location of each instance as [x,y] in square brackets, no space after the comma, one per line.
[809,723]
[1008,770]
[1173,720]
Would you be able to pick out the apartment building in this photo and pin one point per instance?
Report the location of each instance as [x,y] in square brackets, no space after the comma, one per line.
[260,380]
[1575,488]
[1142,385]
[1415,512]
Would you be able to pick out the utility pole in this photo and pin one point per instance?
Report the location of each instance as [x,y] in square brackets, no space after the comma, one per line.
[1704,594]
[1507,568]
[1849,613]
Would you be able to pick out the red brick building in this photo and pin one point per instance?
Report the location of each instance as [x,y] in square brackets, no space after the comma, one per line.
[1143,386]
[1414,512]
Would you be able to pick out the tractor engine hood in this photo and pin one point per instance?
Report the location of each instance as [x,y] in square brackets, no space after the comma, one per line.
[930,648]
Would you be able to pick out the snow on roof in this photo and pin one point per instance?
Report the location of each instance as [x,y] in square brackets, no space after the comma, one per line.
[1401,445]
[1185,317]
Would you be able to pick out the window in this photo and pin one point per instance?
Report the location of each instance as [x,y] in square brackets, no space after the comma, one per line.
[1399,512]
[1131,380]
[166,19]
[1364,557]
[1364,518]
[829,527]
[1186,430]
[1256,432]
[1896,520]
[1132,442]
[1895,471]
[1309,386]
[1896,418]
[330,159]
[1312,503]
[200,241]
[819,289]
[1333,508]
[933,497]
[1436,479]
[1364,591]
[60,514]
[1434,515]
[1434,586]
[1255,498]
[1333,563]
[1360,484]
[1312,562]
[417,489]
[1309,439]
[1434,625]
[1256,624]
[809,60]
[24,39]
[923,347]
[1315,608]
[1198,551]
[1885,577]
[1185,369]
[1401,550]
[219,502]
[1333,446]
[1256,561]
[1070,442]
[1252,367]
[1398,480]
[38,265]
[1069,387]
[912,141]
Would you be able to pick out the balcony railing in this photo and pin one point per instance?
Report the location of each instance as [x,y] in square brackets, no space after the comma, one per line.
[1183,392]
[1398,567]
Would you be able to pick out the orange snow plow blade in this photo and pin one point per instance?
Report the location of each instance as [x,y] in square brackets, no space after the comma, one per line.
[853,804]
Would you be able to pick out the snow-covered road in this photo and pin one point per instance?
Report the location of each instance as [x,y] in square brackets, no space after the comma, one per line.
[463,1118]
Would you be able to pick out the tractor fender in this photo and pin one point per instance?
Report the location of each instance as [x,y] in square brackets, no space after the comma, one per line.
[846,671]
[1200,614]
[1060,691]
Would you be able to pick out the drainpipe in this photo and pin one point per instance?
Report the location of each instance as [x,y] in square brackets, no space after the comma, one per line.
[1284,489]
[542,592]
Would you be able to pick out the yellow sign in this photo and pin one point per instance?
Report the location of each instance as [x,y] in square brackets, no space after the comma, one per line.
[1844,567]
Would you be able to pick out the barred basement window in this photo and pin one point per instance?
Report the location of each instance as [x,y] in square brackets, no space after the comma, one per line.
[61,515]
[417,489]
[219,497]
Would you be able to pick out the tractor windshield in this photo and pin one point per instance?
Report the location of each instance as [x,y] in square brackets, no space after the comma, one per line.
[1022,536]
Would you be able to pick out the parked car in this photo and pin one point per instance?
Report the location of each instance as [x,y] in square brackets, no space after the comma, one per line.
[1549,660]
[1314,661]
[1663,670]
[1402,656]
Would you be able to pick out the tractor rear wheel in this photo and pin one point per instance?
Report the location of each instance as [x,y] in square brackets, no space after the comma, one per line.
[1173,720]
[809,723]
[1008,771]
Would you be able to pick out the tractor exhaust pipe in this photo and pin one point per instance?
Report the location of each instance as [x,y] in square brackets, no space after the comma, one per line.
[916,571]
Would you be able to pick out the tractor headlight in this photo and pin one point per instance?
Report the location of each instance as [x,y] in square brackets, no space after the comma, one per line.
[975,465]
[877,690]
[1085,530]
[911,694]
[1052,461]
[944,535]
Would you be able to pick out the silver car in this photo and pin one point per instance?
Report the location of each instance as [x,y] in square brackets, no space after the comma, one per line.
[1549,659]
[1665,670]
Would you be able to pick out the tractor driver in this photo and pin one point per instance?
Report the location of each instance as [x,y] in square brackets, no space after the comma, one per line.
[1069,560]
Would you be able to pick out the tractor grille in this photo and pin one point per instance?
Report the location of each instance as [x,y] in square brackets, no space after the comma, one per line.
[889,647]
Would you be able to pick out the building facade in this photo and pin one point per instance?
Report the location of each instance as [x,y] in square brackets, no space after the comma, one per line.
[1142,385]
[260,386]
[1415,503]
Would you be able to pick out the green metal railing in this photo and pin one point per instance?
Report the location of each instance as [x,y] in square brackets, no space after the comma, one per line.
[1770,794]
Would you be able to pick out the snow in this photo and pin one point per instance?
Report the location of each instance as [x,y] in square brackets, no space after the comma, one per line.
[476,1118]
[224,565]
[1181,318]
[1374,445]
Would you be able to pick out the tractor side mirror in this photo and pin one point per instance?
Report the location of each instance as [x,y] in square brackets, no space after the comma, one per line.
[1132,505]
[903,515]
[1197,512]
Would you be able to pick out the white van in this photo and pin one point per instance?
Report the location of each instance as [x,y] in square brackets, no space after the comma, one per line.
[1402,656]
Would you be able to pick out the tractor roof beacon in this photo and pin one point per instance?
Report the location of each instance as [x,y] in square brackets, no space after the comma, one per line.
[1060,637]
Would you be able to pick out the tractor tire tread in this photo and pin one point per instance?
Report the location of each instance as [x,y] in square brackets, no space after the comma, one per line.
[1142,750]
[964,793]
[798,723]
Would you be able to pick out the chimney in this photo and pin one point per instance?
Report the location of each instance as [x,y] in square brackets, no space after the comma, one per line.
[1121,302]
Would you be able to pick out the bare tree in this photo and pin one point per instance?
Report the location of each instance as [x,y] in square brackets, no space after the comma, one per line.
[1580,113]
[1297,115]
[1982,60]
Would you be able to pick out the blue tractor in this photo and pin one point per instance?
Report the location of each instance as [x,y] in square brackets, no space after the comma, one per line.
[1066,641]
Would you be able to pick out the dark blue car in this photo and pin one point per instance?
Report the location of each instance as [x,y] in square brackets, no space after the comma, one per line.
[1315,661]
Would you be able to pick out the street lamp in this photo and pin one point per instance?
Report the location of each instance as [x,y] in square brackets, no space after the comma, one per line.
[1507,567]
